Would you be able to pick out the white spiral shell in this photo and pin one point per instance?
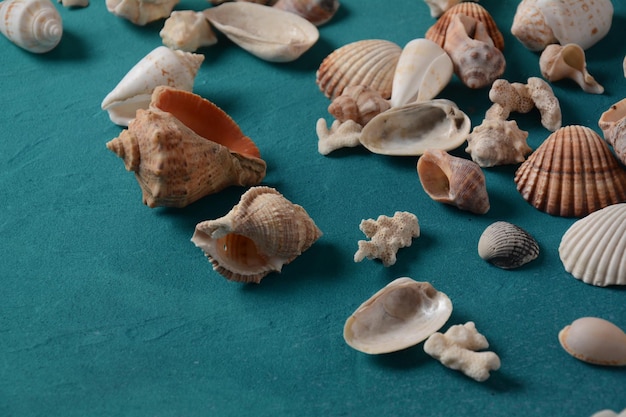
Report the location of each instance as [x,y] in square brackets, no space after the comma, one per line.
[34,25]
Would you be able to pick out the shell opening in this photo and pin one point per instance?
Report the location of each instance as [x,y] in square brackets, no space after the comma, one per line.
[239,250]
[435,181]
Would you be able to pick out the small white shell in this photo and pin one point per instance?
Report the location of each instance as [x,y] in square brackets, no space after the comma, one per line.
[595,340]
[141,12]
[400,315]
[266,32]
[415,127]
[34,25]
[424,69]
[507,246]
[568,61]
[497,142]
[187,30]
[593,248]
[162,66]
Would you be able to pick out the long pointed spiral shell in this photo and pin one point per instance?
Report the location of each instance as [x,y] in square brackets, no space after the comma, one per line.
[34,25]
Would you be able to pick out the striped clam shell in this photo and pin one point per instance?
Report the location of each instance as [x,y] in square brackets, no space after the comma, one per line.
[507,246]
[437,32]
[572,174]
[370,62]
[593,248]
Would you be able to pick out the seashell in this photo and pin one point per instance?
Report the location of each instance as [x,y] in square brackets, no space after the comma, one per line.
[538,23]
[400,315]
[423,70]
[178,158]
[613,125]
[571,174]
[594,340]
[266,32]
[507,246]
[263,232]
[74,3]
[568,61]
[141,12]
[477,62]
[415,127]
[497,142]
[340,135]
[34,25]
[162,66]
[317,12]
[370,62]
[438,32]
[452,180]
[609,413]
[439,7]
[592,249]
[358,103]
[387,234]
[187,30]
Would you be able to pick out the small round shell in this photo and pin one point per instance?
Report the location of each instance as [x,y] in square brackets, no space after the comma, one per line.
[507,246]
[34,25]
[595,340]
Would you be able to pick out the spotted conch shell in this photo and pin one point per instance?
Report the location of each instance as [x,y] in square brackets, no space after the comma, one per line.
[187,30]
[538,23]
[558,62]
[34,25]
[141,12]
[178,157]
[263,232]
[162,66]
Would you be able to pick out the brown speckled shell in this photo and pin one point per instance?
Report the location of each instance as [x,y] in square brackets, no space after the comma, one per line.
[572,174]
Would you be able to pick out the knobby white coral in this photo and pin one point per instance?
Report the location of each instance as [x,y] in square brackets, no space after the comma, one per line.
[340,135]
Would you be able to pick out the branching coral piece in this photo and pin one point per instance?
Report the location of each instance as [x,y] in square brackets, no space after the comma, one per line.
[387,234]
[456,349]
[340,135]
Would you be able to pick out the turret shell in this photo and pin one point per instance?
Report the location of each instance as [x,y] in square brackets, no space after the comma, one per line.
[34,25]
[507,246]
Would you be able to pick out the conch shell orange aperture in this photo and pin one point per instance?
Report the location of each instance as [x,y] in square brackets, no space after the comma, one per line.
[184,147]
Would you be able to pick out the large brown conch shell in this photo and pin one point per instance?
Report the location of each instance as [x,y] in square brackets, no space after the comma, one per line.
[185,147]
[572,174]
[452,180]
[263,232]
[613,125]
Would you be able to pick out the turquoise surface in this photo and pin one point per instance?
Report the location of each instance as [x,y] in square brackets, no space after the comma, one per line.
[108,309]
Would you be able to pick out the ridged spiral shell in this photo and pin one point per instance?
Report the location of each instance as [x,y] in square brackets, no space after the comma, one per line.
[507,246]
[34,25]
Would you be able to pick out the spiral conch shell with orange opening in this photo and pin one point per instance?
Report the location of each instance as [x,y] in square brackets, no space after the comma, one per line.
[261,234]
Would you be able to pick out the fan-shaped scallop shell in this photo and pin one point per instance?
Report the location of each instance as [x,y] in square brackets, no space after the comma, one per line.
[34,25]
[263,232]
[571,174]
[370,62]
[593,248]
[507,246]
[400,315]
[437,32]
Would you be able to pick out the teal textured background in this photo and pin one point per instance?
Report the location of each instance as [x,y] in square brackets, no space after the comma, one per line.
[107,308]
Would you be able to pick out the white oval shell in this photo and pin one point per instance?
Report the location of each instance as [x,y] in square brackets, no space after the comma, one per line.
[595,340]
[423,70]
[400,315]
[593,248]
[415,127]
[34,25]
[271,34]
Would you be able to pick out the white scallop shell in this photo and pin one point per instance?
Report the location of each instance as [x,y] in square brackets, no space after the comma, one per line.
[400,315]
[162,66]
[271,34]
[34,25]
[595,340]
[593,248]
[141,12]
[423,70]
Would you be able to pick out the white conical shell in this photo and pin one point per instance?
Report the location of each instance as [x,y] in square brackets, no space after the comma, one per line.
[34,25]
[162,66]
[595,340]
[141,12]
[423,70]
[593,248]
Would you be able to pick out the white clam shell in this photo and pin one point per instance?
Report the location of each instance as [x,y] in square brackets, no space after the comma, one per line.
[141,12]
[423,70]
[271,34]
[34,25]
[400,315]
[413,128]
[162,66]
[593,248]
[595,340]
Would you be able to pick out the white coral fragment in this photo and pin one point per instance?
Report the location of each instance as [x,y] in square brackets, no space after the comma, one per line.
[340,135]
[387,234]
[456,349]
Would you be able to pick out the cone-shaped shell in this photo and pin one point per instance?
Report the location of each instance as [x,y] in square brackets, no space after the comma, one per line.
[595,340]
[437,32]
[571,174]
[34,25]
[400,315]
[317,12]
[178,157]
[263,232]
[452,180]
[593,248]
[370,62]
[507,246]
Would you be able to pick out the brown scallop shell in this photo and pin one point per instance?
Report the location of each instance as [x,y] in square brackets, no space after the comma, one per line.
[572,174]
[437,32]
[370,62]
